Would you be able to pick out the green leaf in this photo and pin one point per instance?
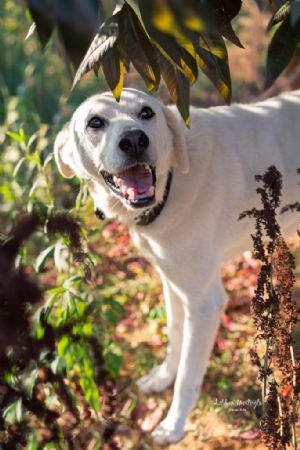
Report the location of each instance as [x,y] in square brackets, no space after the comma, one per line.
[204,16]
[52,446]
[14,412]
[32,140]
[35,158]
[113,363]
[44,23]
[87,329]
[115,305]
[137,46]
[113,69]
[56,290]
[19,137]
[280,15]
[281,50]
[76,21]
[146,360]
[212,58]
[134,5]
[42,258]
[91,392]
[215,14]
[48,159]
[18,166]
[57,365]
[63,346]
[162,27]
[32,442]
[228,8]
[38,329]
[30,381]
[9,413]
[34,187]
[231,36]
[178,87]
[104,40]
[158,312]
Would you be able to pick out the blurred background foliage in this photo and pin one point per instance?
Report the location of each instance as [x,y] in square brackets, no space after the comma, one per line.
[35,101]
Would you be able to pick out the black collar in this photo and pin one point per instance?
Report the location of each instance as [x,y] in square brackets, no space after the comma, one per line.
[150,214]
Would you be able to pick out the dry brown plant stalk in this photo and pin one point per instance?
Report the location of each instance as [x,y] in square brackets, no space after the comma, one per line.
[274,313]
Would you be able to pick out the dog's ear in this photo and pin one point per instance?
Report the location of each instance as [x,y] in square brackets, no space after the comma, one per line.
[177,127]
[63,152]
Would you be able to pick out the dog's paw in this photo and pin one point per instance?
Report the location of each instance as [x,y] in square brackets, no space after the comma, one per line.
[164,434]
[157,380]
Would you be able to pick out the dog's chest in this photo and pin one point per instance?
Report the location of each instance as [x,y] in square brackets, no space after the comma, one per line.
[151,249]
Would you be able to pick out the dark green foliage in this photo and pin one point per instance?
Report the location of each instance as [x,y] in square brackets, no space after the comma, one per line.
[103,41]
[284,41]
[146,33]
[52,334]
[135,44]
[31,355]
[67,15]
[178,86]
[58,350]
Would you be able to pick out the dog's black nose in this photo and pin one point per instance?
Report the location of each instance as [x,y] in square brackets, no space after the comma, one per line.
[134,142]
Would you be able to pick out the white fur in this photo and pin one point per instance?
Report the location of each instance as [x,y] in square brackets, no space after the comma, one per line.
[215,162]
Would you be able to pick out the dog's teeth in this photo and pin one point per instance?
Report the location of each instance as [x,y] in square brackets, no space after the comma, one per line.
[131,193]
[124,190]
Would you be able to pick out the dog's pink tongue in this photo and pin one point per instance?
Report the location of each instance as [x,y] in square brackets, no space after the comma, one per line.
[136,182]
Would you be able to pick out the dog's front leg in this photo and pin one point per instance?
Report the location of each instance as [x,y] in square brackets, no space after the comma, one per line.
[200,326]
[162,376]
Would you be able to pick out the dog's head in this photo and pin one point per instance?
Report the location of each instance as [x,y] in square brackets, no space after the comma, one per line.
[125,150]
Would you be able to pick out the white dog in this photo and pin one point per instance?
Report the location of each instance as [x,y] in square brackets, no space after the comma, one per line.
[180,191]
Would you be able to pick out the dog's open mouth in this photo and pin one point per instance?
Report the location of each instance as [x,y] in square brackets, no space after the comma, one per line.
[136,184]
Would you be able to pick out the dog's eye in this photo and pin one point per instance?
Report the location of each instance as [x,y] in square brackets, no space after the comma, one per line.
[96,122]
[146,113]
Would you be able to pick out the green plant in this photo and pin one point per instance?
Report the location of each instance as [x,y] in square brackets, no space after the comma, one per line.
[57,354]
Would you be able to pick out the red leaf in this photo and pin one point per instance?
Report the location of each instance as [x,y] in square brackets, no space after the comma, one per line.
[286,390]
